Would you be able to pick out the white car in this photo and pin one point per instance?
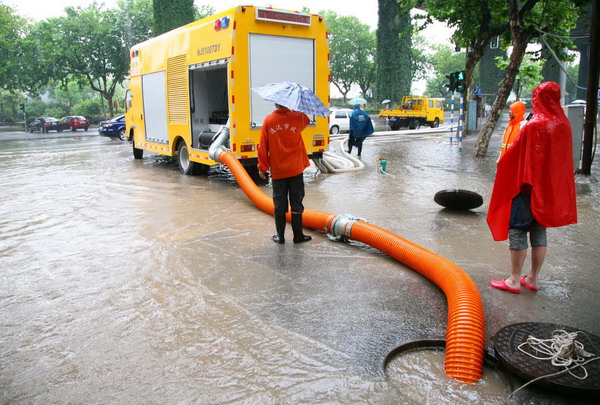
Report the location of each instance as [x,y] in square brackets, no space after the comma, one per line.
[339,120]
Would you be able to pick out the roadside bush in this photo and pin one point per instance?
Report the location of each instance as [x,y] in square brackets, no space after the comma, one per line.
[56,109]
[34,108]
[88,108]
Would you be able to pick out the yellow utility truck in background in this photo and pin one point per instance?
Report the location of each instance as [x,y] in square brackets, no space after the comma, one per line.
[187,83]
[415,111]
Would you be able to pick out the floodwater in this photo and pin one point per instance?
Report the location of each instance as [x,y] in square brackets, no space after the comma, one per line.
[124,281]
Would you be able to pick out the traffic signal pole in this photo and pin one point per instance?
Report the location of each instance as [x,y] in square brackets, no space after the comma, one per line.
[457,82]
[460,123]
[452,118]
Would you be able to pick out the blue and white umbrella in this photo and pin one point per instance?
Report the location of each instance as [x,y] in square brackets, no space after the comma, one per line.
[293,96]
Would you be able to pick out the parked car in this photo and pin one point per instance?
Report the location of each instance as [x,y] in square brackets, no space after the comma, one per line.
[75,122]
[339,120]
[114,128]
[44,124]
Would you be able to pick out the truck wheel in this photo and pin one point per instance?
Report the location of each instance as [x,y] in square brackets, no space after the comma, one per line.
[435,123]
[394,126]
[334,130]
[137,153]
[414,124]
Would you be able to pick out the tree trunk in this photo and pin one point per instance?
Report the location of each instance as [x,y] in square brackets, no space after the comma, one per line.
[393,60]
[520,41]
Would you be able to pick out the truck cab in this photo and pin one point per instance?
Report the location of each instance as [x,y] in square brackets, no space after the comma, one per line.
[415,111]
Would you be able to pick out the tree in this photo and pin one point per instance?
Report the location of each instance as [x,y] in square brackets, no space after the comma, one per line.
[136,20]
[444,60]
[529,76]
[476,22]
[527,22]
[171,14]
[352,50]
[12,31]
[394,43]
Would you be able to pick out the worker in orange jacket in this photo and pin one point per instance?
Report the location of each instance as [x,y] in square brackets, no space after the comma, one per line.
[517,120]
[281,150]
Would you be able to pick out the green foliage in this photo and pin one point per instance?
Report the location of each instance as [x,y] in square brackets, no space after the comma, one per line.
[529,76]
[12,34]
[352,52]
[394,51]
[171,14]
[444,61]
[56,110]
[89,108]
[204,11]
[35,108]
[135,19]
[10,110]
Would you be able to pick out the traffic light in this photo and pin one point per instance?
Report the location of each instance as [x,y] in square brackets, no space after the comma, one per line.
[22,107]
[495,42]
[451,82]
[461,81]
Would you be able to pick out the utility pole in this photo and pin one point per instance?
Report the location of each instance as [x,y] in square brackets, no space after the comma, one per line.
[591,112]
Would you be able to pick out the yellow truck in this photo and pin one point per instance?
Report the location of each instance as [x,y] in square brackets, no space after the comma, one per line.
[189,82]
[415,111]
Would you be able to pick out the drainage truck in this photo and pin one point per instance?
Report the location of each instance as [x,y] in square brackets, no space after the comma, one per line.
[186,84]
[415,111]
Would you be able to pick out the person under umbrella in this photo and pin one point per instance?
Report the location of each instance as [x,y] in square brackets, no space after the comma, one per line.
[281,151]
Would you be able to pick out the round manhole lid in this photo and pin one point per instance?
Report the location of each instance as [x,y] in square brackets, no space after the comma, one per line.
[456,199]
[506,346]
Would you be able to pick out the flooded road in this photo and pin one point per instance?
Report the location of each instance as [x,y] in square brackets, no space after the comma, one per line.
[124,281]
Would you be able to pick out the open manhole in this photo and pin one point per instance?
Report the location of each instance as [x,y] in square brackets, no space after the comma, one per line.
[506,346]
[456,199]
[417,370]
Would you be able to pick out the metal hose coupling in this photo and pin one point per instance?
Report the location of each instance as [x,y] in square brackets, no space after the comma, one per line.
[341,227]
[221,138]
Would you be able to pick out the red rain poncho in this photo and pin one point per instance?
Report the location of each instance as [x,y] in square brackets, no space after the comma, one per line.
[540,157]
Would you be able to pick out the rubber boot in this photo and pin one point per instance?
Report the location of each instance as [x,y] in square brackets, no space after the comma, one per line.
[280,228]
[350,143]
[299,237]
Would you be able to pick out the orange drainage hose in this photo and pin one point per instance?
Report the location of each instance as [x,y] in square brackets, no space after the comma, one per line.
[465,335]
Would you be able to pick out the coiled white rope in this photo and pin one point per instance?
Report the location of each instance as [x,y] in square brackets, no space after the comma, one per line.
[562,350]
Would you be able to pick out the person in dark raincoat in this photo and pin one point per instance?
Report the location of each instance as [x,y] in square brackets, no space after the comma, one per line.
[361,126]
[534,187]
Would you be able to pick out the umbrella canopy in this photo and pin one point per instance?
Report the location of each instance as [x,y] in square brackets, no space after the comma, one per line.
[357,100]
[386,101]
[293,96]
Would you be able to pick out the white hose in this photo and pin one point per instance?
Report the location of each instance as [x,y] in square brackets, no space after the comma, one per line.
[335,163]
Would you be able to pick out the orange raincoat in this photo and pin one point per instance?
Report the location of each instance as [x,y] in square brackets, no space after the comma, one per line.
[514,125]
[281,146]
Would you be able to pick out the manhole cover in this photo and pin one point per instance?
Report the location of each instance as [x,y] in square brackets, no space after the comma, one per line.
[508,339]
[456,199]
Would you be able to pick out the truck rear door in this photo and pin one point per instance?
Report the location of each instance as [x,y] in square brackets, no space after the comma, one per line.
[274,59]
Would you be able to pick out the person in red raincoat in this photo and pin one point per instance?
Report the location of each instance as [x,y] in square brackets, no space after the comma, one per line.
[281,149]
[534,187]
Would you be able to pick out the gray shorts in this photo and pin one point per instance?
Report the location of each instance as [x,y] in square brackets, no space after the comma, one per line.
[518,237]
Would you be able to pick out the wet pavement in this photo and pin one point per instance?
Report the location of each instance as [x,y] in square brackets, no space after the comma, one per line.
[124,281]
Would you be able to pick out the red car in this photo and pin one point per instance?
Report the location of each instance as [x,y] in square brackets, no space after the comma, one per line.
[75,122]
